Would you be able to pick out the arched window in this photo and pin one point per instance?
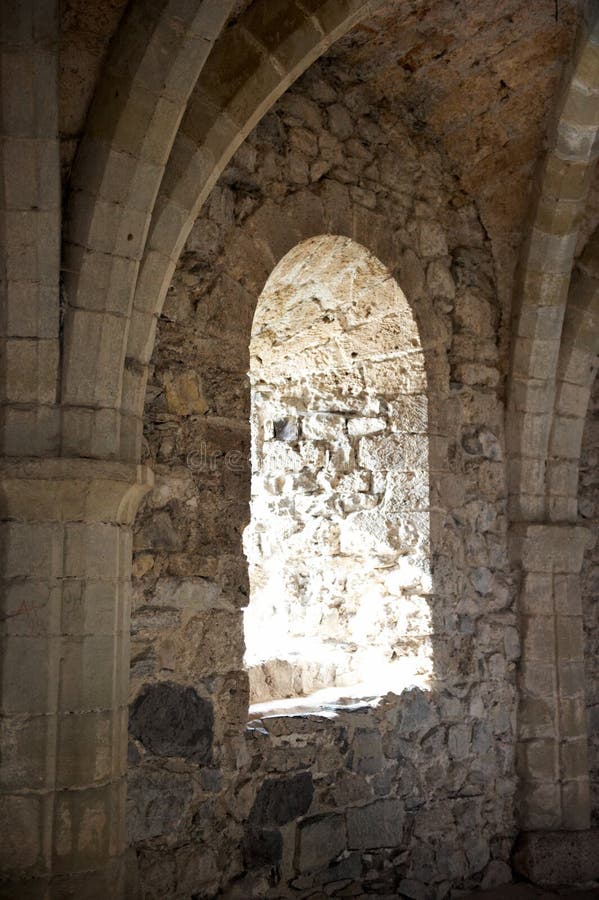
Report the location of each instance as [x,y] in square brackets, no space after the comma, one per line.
[338,544]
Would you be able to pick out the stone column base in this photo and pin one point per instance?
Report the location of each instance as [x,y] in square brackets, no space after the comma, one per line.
[551,858]
[117,879]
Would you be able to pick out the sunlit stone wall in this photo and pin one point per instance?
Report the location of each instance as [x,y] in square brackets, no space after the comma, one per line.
[439,760]
[338,544]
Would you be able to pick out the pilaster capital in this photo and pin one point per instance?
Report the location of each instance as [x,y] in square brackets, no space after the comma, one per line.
[71,490]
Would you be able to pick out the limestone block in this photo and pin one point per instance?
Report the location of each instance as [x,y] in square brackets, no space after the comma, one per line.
[323,427]
[92,608]
[84,822]
[85,752]
[367,752]
[403,452]
[539,638]
[572,717]
[91,677]
[406,491]
[91,550]
[547,548]
[391,377]
[576,811]
[571,677]
[440,281]
[459,739]
[551,252]
[570,640]
[211,642]
[32,310]
[574,765]
[539,805]
[537,760]
[22,823]
[30,371]
[431,239]
[537,678]
[25,743]
[537,717]
[94,346]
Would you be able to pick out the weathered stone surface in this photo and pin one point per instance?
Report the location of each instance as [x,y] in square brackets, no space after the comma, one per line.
[419,589]
[280,800]
[321,840]
[173,720]
[157,803]
[379,824]
[558,857]
[262,847]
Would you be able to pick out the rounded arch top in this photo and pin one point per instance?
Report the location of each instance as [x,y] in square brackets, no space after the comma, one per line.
[330,303]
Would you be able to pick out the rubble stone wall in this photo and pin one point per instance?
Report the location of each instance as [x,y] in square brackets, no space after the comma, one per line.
[375,793]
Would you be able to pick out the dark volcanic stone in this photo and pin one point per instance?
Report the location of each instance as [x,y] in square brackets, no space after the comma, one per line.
[280,800]
[262,848]
[172,720]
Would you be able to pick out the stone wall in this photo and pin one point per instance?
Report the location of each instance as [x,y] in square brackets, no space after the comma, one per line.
[588,508]
[329,158]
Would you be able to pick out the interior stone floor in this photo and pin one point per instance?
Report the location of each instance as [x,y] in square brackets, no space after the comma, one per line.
[529,892]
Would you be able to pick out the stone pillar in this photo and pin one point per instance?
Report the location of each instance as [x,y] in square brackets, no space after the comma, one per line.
[552,740]
[65,562]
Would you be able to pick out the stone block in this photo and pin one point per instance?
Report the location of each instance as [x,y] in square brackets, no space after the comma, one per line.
[549,548]
[22,826]
[280,800]
[380,824]
[323,427]
[404,452]
[537,716]
[570,638]
[87,827]
[576,807]
[262,847]
[537,759]
[320,840]
[574,759]
[91,673]
[363,425]
[29,674]
[390,377]
[572,717]
[88,749]
[157,802]
[571,677]
[551,858]
[538,638]
[540,804]
[25,757]
[536,595]
[173,720]
[367,752]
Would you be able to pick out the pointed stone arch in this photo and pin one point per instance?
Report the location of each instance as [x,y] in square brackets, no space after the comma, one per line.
[122,220]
